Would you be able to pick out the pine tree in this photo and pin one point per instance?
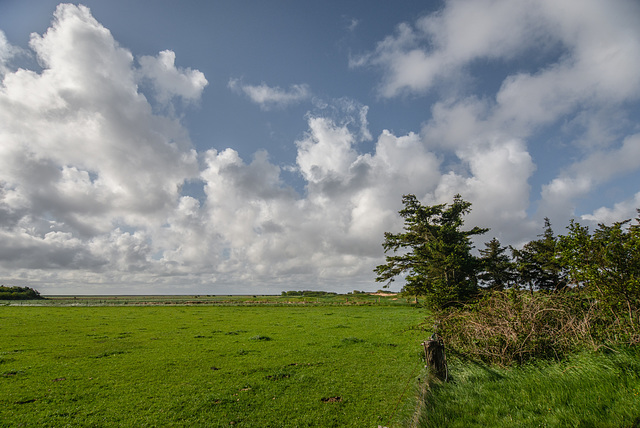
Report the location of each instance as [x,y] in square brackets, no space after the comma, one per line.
[497,269]
[434,253]
[539,264]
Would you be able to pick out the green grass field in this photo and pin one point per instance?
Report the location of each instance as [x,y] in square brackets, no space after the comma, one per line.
[204,365]
[230,300]
[587,390]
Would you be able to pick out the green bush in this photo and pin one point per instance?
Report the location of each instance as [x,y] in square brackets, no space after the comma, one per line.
[18,293]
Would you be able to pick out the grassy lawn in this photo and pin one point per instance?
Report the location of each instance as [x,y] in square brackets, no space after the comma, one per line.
[263,366]
[588,390]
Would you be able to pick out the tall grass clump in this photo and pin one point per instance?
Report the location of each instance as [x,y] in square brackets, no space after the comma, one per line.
[590,389]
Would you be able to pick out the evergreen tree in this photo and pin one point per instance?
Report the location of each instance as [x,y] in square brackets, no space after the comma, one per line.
[576,254]
[434,253]
[607,262]
[538,263]
[497,269]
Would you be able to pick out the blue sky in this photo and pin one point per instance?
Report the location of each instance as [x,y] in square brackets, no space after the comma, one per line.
[253,147]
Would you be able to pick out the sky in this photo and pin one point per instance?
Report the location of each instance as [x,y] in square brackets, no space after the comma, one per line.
[227,147]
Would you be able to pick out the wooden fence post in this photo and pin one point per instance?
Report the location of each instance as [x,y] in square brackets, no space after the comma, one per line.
[435,357]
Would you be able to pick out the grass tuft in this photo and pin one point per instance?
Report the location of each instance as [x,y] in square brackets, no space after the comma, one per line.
[261,338]
[351,340]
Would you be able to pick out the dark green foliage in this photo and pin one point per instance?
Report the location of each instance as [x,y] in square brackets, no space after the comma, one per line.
[433,252]
[497,269]
[606,263]
[19,293]
[575,253]
[538,264]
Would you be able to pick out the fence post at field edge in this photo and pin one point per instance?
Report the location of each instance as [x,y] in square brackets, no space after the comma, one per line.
[435,357]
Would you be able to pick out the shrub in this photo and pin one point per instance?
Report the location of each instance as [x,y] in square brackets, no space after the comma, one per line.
[515,326]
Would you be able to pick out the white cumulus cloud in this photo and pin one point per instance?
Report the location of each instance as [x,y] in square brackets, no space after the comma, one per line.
[81,152]
[168,80]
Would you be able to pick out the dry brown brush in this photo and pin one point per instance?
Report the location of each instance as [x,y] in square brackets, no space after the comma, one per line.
[515,326]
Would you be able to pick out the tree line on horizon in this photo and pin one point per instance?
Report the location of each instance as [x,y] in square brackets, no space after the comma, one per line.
[307,293]
[18,293]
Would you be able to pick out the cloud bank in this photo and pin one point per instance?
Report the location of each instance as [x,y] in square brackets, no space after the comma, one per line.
[92,167]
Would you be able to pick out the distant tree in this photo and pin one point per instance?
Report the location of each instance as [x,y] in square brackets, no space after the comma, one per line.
[18,293]
[433,252]
[307,293]
[497,271]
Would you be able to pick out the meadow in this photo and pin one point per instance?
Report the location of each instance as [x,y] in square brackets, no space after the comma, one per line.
[278,361]
[169,364]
